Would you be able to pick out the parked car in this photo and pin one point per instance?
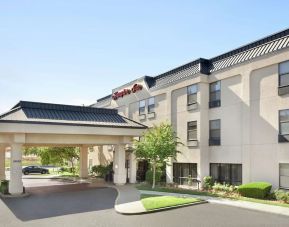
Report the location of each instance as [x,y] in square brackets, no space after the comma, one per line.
[34,169]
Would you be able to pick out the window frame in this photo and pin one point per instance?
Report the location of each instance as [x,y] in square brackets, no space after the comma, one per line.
[195,139]
[144,107]
[282,138]
[229,165]
[215,102]
[178,172]
[151,105]
[210,134]
[280,122]
[280,75]
[282,176]
[189,94]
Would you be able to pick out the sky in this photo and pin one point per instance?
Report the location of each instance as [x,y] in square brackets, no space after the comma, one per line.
[75,52]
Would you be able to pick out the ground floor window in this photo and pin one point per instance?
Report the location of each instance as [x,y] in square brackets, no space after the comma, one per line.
[182,171]
[142,168]
[284,175]
[228,173]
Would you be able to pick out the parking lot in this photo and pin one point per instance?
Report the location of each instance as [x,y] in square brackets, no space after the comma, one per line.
[93,205]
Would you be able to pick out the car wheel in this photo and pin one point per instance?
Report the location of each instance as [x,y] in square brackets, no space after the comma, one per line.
[43,172]
[26,173]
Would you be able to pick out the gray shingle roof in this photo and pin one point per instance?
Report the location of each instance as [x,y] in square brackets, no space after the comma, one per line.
[242,54]
[67,114]
[261,47]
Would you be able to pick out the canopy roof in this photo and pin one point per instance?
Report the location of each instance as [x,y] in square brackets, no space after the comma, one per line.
[58,114]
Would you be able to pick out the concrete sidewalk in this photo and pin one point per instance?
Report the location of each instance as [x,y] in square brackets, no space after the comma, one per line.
[241,204]
[128,200]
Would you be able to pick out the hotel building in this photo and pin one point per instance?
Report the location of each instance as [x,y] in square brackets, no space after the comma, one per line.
[231,112]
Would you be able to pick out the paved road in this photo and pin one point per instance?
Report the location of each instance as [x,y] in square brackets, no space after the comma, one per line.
[82,205]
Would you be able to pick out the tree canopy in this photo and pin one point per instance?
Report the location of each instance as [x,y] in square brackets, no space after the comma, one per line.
[55,155]
[157,145]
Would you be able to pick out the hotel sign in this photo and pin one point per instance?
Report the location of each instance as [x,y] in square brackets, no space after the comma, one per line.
[126,91]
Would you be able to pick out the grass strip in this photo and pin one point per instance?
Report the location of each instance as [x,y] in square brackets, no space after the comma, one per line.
[156,202]
[205,193]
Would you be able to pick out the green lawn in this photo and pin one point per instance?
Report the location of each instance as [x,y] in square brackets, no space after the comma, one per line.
[205,193]
[156,202]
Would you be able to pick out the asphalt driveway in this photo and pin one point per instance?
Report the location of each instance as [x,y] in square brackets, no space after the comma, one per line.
[82,205]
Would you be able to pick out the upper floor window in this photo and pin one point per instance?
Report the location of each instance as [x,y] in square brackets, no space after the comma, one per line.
[215,94]
[215,132]
[142,107]
[192,130]
[284,125]
[283,78]
[192,94]
[151,105]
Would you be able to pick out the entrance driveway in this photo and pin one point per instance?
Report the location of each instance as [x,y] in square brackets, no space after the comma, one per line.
[84,205]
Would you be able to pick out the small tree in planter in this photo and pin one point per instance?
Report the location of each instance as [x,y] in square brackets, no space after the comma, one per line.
[157,145]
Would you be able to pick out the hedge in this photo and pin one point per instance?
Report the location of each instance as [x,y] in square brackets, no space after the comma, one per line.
[258,190]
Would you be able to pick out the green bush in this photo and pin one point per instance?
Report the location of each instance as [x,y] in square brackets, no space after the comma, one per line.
[68,169]
[224,187]
[208,182]
[4,186]
[282,195]
[101,170]
[258,190]
[149,176]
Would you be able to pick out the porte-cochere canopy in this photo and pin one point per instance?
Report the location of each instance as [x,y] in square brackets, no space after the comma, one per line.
[46,124]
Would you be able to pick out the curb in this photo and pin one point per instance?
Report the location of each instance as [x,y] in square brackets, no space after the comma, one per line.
[164,208]
[266,208]
[23,195]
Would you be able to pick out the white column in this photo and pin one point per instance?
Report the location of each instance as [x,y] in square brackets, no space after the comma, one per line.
[119,165]
[83,159]
[169,171]
[132,168]
[2,163]
[16,184]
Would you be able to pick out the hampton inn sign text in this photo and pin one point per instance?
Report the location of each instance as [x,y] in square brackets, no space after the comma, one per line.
[126,91]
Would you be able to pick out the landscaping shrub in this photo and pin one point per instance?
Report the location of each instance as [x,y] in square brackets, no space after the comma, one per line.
[63,169]
[101,170]
[208,182]
[224,187]
[68,169]
[4,186]
[258,190]
[149,176]
[282,195]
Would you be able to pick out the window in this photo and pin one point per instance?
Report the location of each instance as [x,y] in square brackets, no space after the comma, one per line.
[215,132]
[215,94]
[192,130]
[283,78]
[142,107]
[284,175]
[284,125]
[181,172]
[228,173]
[151,105]
[192,94]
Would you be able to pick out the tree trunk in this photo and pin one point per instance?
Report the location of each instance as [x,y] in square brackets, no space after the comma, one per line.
[154,175]
[72,166]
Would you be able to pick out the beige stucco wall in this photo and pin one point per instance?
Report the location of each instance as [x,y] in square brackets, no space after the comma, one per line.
[100,155]
[248,113]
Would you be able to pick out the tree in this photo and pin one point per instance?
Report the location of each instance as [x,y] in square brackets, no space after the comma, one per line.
[157,145]
[55,155]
